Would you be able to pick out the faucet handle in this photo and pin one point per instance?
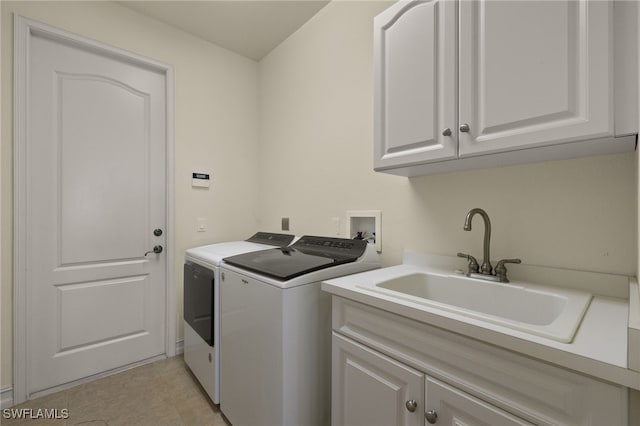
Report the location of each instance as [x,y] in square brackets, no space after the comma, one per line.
[473,263]
[501,270]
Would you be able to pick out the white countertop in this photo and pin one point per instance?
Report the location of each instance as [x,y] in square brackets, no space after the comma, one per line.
[599,347]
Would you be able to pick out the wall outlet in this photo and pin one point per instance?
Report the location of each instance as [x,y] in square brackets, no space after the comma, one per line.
[285,223]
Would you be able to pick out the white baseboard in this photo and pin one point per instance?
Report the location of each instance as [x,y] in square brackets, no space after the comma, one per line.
[6,397]
[179,346]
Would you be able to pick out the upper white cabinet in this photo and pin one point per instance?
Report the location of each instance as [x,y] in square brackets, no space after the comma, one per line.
[534,73]
[415,96]
[484,83]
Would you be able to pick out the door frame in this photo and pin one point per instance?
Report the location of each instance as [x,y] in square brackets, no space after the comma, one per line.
[24,29]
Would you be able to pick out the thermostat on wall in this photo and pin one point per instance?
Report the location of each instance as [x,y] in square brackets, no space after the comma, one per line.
[200,180]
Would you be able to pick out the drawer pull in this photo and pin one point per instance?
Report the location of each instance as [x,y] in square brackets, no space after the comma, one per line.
[431,416]
[411,405]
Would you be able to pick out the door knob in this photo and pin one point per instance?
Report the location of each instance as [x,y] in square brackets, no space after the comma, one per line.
[464,128]
[431,416]
[156,249]
[157,232]
[411,405]
[446,132]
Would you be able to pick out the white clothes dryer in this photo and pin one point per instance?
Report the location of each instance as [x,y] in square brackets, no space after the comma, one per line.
[202,304]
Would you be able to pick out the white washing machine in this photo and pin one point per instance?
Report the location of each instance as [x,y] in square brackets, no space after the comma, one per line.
[202,304]
[276,330]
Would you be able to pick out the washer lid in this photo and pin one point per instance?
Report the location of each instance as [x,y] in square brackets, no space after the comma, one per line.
[308,254]
[211,255]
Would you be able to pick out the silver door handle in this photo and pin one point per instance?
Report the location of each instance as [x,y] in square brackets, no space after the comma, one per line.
[156,249]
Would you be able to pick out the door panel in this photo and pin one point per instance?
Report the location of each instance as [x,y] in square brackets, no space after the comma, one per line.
[372,389]
[456,408]
[415,78]
[95,191]
[124,296]
[552,83]
[93,137]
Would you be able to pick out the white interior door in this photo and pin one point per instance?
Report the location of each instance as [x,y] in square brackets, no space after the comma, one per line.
[95,191]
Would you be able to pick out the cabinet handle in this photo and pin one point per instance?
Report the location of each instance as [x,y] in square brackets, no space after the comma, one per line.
[411,405]
[446,132]
[431,416]
[464,128]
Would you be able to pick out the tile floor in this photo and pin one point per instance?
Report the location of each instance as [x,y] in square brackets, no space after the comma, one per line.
[161,393]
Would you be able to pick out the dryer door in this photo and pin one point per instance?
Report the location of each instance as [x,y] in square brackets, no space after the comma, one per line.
[198,300]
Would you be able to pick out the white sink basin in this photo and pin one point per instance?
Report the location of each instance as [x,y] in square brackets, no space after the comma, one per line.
[544,311]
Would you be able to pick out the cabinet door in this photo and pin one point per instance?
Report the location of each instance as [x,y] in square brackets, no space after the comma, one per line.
[371,389]
[447,405]
[415,83]
[534,73]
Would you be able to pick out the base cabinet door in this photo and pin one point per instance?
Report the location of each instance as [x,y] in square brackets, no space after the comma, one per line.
[446,405]
[370,389]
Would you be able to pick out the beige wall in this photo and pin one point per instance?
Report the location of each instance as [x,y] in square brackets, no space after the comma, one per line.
[215,129]
[316,130]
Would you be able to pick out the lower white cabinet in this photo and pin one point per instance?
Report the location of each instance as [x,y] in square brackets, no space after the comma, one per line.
[391,370]
[446,405]
[370,389]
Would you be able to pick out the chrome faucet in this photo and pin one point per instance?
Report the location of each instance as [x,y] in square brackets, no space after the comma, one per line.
[485,271]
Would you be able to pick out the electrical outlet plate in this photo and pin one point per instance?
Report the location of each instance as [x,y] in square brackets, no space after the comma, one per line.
[367,221]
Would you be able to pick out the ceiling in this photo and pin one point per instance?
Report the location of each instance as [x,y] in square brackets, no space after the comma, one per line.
[251,28]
